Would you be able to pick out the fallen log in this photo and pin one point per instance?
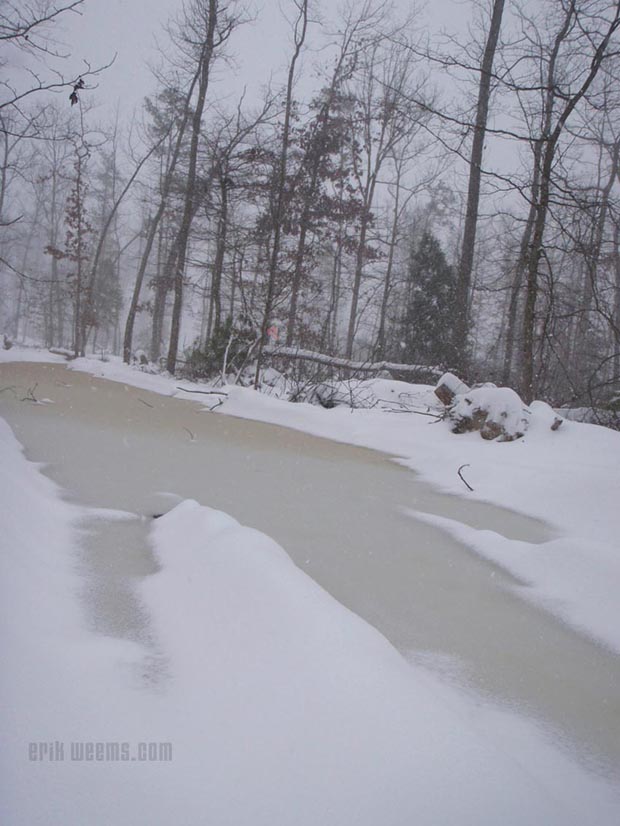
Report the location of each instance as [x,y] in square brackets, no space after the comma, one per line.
[356,366]
[62,351]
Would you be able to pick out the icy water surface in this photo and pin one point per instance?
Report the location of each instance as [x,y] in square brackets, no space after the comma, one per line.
[337,510]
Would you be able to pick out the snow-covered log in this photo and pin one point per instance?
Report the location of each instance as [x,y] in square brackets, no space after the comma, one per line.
[62,351]
[294,353]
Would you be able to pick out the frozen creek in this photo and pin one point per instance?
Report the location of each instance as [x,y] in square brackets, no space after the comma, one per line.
[339,512]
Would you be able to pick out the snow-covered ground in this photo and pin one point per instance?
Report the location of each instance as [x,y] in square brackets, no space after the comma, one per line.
[568,478]
[280,706]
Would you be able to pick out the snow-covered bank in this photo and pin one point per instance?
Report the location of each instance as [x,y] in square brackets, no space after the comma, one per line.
[59,682]
[577,581]
[280,705]
[309,710]
[570,479]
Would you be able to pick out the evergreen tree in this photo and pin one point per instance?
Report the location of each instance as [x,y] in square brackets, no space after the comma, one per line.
[426,327]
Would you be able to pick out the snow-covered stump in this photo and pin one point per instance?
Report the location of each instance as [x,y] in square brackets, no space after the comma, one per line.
[448,387]
[495,412]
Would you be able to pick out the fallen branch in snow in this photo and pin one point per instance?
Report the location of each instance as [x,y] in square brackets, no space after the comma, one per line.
[191,435]
[11,388]
[146,403]
[203,392]
[463,479]
[438,416]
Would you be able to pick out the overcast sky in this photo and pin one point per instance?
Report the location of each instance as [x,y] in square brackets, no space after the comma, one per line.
[130,28]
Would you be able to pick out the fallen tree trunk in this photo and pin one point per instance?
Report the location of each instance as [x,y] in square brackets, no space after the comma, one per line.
[357,366]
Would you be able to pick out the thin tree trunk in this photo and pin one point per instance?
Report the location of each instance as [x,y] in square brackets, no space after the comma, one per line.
[215,303]
[154,225]
[190,191]
[301,27]
[387,285]
[162,287]
[360,260]
[466,261]
[92,276]
[526,238]
[592,267]
[616,319]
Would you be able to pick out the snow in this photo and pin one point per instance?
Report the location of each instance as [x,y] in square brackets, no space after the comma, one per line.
[31,354]
[453,383]
[576,580]
[314,707]
[568,478]
[282,707]
[58,680]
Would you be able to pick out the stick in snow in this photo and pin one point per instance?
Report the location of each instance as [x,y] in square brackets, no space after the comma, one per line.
[463,478]
[203,392]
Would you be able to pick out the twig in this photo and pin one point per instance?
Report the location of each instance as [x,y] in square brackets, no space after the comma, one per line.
[191,435]
[203,392]
[30,397]
[218,404]
[463,478]
[12,389]
[146,403]
[246,359]
[405,409]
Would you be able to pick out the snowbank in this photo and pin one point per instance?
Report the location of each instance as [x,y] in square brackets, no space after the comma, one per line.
[310,716]
[59,681]
[575,580]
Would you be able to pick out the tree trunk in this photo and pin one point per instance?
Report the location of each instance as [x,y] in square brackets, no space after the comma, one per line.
[526,239]
[154,226]
[190,191]
[215,302]
[466,261]
[387,286]
[301,27]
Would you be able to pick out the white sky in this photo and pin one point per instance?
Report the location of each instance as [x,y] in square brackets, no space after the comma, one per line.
[130,28]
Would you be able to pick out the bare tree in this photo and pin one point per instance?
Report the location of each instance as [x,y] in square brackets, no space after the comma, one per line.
[300,29]
[387,118]
[550,140]
[167,179]
[28,28]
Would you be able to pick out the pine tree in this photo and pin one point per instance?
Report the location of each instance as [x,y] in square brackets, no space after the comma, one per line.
[426,327]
